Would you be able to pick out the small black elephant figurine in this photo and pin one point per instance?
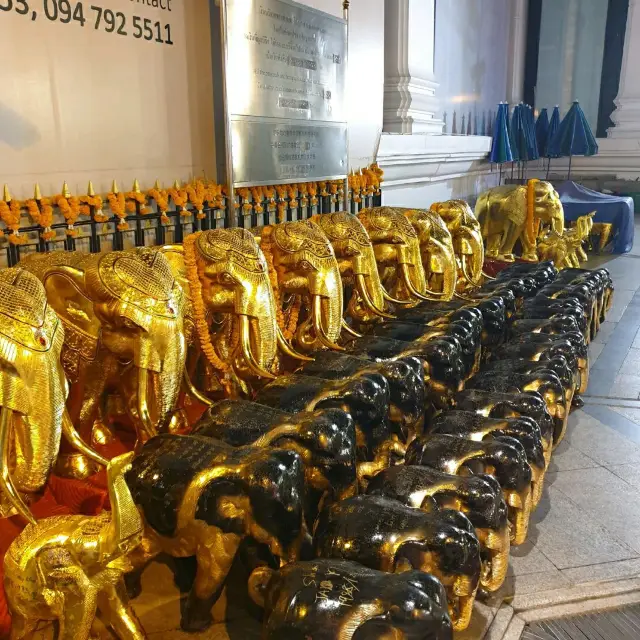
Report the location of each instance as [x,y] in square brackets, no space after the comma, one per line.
[478,497]
[364,396]
[555,325]
[473,426]
[404,376]
[328,599]
[569,377]
[441,360]
[538,346]
[545,382]
[384,534]
[508,405]
[600,278]
[502,457]
[325,438]
[466,333]
[201,497]
[587,297]
[544,307]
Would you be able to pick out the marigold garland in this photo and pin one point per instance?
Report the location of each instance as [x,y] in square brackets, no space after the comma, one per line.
[292,192]
[214,195]
[281,190]
[531,223]
[197,194]
[10,215]
[313,192]
[333,190]
[243,193]
[303,190]
[162,202]
[70,209]
[117,205]
[42,214]
[323,189]
[269,194]
[139,197]
[96,202]
[257,195]
[221,368]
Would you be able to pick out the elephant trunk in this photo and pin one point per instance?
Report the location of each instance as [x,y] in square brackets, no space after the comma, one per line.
[124,531]
[471,249]
[159,360]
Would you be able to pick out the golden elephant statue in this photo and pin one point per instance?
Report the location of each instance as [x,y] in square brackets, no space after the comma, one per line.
[437,251]
[358,268]
[467,240]
[306,282]
[66,568]
[567,250]
[518,212]
[33,391]
[124,348]
[397,251]
[230,315]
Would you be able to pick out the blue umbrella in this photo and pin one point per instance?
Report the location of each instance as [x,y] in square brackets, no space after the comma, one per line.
[542,129]
[532,140]
[574,136]
[500,143]
[554,125]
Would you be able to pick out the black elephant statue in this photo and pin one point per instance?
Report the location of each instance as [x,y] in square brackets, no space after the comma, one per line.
[404,377]
[478,497]
[473,426]
[543,307]
[325,439]
[202,497]
[328,599]
[502,457]
[386,535]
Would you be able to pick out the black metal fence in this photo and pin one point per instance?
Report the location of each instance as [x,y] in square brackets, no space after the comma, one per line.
[148,229]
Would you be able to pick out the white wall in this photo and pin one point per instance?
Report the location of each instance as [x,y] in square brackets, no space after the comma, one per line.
[366,74]
[79,103]
[471,57]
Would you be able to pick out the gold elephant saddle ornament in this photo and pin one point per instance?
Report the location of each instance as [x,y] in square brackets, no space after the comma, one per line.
[32,387]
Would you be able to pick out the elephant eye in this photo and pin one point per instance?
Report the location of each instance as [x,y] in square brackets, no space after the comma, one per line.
[128,324]
[227,279]
[306,266]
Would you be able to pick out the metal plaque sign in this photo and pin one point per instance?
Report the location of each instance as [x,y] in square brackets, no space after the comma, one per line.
[285,80]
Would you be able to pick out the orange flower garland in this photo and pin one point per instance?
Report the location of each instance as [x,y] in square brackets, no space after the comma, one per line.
[10,215]
[70,209]
[139,197]
[214,196]
[313,192]
[197,194]
[43,216]
[292,193]
[246,205]
[303,189]
[257,195]
[281,190]
[117,204]
[269,194]
[532,224]
[323,189]
[180,199]
[162,202]
[221,368]
[333,190]
[95,202]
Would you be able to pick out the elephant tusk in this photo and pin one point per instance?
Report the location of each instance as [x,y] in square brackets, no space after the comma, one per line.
[406,278]
[361,286]
[460,296]
[6,482]
[74,439]
[392,300]
[288,350]
[148,427]
[487,276]
[349,330]
[191,390]
[270,437]
[319,329]
[245,345]
[468,278]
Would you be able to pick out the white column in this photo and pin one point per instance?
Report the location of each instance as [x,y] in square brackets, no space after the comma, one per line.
[626,117]
[410,103]
[517,50]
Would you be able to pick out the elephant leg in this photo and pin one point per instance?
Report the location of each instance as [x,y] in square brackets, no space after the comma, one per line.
[510,237]
[77,614]
[212,571]
[118,614]
[22,627]
[493,245]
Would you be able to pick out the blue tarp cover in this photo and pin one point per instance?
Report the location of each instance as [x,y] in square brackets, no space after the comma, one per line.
[578,201]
